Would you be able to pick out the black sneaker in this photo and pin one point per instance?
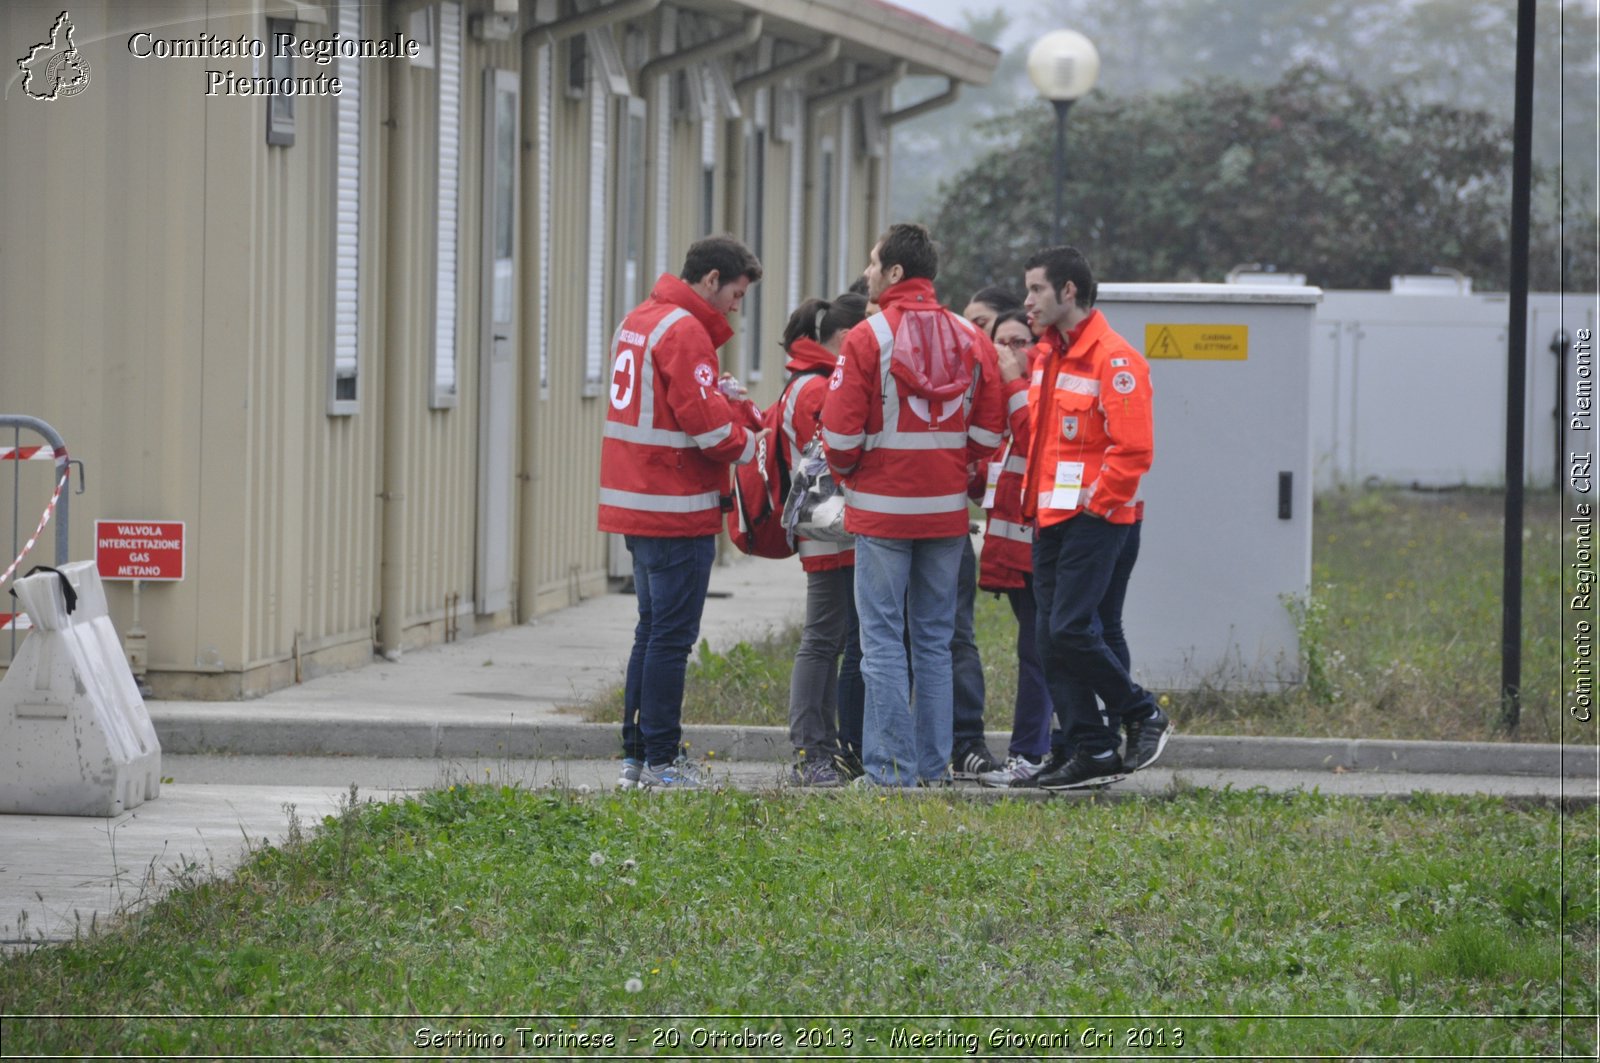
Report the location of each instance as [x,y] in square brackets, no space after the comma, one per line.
[1083,771]
[849,765]
[973,761]
[1146,739]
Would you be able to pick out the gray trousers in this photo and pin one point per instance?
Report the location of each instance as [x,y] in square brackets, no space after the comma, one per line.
[813,685]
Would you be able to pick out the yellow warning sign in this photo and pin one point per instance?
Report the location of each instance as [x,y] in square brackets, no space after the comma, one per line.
[1198,343]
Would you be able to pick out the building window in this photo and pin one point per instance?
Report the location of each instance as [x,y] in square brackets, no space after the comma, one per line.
[419,26]
[825,217]
[347,223]
[280,107]
[755,199]
[544,79]
[448,206]
[631,112]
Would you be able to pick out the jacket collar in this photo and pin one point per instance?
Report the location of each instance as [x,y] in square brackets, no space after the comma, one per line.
[1079,339]
[674,290]
[809,354]
[914,293]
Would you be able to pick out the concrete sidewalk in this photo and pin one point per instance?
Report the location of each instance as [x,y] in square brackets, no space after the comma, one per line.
[489,708]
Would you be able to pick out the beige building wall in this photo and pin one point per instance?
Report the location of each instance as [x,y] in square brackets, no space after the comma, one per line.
[168,305]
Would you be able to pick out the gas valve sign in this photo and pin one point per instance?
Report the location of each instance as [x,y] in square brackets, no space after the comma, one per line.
[139,549]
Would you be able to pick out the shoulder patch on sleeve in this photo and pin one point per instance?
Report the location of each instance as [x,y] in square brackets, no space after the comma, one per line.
[1123,382]
[1117,363]
[704,375]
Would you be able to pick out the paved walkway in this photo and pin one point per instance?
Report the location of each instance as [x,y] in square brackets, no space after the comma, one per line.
[490,708]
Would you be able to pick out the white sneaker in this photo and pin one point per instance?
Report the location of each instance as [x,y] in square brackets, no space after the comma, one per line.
[1019,771]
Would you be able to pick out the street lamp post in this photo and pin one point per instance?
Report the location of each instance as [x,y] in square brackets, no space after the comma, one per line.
[1063,65]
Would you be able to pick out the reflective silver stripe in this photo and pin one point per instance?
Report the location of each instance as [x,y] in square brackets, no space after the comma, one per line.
[1081,384]
[1017,463]
[915,505]
[1016,402]
[707,440]
[1038,376]
[836,441]
[749,451]
[983,437]
[915,440]
[789,406]
[813,548]
[610,496]
[638,433]
[647,365]
[1017,533]
[891,391]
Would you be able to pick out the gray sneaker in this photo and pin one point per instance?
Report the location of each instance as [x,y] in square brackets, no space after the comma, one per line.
[814,773]
[1018,772]
[681,774]
[628,778]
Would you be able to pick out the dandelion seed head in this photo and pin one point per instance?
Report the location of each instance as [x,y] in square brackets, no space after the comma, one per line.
[596,859]
[633,985]
[630,864]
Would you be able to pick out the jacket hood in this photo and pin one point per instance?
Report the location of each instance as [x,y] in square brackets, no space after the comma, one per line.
[809,354]
[675,290]
[915,293]
[932,355]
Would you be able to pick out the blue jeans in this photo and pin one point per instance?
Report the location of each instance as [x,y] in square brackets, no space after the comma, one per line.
[1034,711]
[966,670]
[901,580]
[1108,617]
[670,577]
[1074,564]
[852,691]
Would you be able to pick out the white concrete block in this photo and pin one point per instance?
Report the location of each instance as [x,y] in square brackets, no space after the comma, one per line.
[75,737]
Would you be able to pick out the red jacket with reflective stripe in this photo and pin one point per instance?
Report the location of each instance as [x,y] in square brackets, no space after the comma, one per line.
[802,418]
[1008,539]
[1090,403]
[902,460]
[670,434]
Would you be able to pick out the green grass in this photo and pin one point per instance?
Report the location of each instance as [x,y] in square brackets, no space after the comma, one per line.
[1431,925]
[1401,638]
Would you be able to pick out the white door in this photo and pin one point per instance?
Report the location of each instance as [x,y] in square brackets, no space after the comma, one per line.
[497,427]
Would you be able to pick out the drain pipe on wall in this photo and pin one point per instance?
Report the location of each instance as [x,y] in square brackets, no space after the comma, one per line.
[392,568]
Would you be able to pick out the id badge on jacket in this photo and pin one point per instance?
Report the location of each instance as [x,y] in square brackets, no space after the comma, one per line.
[1068,486]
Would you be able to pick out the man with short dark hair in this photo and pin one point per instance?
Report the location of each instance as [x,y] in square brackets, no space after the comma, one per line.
[670,436]
[914,399]
[1092,442]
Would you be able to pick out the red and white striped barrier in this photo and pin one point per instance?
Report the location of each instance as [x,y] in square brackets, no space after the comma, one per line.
[15,622]
[48,510]
[34,453]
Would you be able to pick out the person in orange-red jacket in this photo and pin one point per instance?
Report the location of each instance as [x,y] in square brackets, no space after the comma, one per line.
[914,400]
[670,435]
[1092,442]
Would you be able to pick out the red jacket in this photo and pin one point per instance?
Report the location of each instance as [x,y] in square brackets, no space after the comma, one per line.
[1090,402]
[802,419]
[1008,539]
[670,433]
[902,456]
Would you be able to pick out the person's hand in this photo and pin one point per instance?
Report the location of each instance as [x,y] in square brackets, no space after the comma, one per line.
[731,387]
[1013,363]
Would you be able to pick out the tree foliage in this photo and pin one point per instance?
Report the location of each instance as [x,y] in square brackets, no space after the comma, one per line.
[1314,174]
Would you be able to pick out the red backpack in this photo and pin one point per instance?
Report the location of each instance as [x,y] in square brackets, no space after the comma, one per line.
[755,524]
